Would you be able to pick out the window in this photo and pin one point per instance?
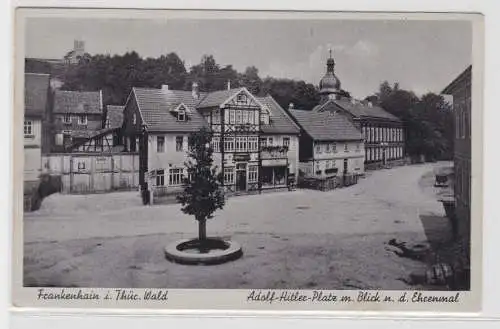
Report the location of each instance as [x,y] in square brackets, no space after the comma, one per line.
[226,116]
[181,115]
[67,118]
[253,174]
[256,117]
[270,141]
[238,116]
[358,147]
[28,128]
[334,147]
[328,149]
[134,119]
[175,176]
[245,117]
[228,175]
[318,148]
[286,141]
[241,144]
[241,98]
[327,164]
[81,165]
[252,144]
[346,147]
[264,118]
[216,117]
[231,116]
[160,177]
[229,144]
[107,124]
[82,120]
[263,142]
[160,144]
[215,144]
[179,140]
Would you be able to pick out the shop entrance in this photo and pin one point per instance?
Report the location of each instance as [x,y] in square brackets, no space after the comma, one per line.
[241,177]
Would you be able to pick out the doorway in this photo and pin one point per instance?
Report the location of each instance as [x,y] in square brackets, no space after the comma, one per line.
[241,177]
[345,166]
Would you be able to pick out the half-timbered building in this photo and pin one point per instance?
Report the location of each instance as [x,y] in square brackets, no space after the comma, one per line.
[157,122]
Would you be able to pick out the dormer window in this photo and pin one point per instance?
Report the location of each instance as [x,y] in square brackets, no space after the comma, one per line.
[264,117]
[181,115]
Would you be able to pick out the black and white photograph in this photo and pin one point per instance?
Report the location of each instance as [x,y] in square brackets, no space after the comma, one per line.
[230,152]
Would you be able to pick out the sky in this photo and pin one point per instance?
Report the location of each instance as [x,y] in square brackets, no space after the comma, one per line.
[422,56]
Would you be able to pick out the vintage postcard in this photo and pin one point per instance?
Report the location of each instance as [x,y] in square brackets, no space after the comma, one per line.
[236,161]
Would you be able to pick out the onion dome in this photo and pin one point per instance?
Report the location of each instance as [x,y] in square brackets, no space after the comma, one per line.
[329,83]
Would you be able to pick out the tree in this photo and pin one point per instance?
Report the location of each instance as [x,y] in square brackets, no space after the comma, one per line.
[202,194]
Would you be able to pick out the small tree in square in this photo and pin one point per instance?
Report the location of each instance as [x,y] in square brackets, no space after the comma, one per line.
[203,193]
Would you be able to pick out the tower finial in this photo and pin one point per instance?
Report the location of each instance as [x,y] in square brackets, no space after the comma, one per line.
[330,52]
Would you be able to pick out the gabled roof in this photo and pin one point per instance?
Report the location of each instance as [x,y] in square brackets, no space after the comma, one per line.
[36,91]
[326,126]
[173,98]
[115,115]
[77,102]
[280,121]
[216,98]
[465,74]
[156,112]
[358,109]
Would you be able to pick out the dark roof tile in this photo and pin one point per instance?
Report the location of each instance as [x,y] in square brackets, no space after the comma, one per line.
[36,90]
[81,102]
[326,125]
[280,121]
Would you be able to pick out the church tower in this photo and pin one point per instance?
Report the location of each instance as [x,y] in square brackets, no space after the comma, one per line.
[329,85]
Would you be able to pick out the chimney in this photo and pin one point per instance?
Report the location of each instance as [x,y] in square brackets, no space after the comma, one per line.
[290,106]
[195,91]
[164,88]
[228,84]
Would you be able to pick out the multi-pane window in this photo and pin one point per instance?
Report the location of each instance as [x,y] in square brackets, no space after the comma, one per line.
[81,165]
[160,177]
[270,141]
[175,176]
[181,115]
[160,144]
[328,149]
[253,144]
[134,118]
[263,142]
[229,144]
[231,116]
[67,118]
[238,116]
[346,147]
[82,120]
[228,175]
[215,144]
[256,117]
[334,147]
[264,118]
[216,117]
[286,141]
[253,174]
[241,144]
[28,128]
[318,148]
[179,140]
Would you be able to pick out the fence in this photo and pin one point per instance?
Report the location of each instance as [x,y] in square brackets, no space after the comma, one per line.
[93,173]
[329,183]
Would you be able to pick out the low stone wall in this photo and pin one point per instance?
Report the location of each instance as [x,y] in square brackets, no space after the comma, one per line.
[329,183]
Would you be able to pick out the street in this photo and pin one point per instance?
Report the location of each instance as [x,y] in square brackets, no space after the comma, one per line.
[302,239]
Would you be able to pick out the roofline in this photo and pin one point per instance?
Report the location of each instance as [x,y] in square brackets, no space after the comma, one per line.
[236,93]
[138,106]
[468,70]
[285,112]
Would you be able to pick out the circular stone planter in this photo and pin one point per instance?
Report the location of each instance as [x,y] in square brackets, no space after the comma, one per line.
[187,252]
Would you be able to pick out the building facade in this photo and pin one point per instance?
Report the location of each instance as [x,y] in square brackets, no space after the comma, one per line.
[158,122]
[76,116]
[330,145]
[460,90]
[36,95]
[383,132]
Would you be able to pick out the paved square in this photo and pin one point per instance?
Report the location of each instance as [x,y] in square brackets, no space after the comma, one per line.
[303,239]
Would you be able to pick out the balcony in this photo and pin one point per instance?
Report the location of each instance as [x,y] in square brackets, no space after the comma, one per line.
[274,152]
